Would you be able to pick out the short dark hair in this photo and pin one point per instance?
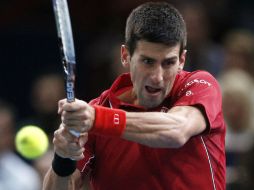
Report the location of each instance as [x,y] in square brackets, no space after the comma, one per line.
[157,22]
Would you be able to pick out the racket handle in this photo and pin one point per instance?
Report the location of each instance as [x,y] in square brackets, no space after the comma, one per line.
[69,69]
[70,96]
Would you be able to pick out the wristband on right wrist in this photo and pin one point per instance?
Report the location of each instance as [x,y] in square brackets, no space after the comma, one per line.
[63,166]
[109,122]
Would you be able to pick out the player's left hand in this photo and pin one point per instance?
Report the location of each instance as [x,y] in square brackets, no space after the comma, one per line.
[78,115]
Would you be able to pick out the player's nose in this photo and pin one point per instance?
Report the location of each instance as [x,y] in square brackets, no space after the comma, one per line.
[157,74]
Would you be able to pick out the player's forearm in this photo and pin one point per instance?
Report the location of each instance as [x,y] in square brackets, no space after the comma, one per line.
[155,129]
[53,182]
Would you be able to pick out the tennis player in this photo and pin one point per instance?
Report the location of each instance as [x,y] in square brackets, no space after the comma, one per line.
[157,128]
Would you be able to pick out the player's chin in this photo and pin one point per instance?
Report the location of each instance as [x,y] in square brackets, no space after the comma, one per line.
[152,102]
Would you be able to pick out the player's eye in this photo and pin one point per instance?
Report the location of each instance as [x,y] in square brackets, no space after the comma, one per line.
[168,63]
[148,61]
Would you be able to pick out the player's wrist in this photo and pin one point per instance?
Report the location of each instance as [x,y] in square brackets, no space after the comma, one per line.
[63,166]
[108,122]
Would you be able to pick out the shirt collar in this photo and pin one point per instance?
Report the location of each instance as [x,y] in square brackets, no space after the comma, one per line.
[122,84]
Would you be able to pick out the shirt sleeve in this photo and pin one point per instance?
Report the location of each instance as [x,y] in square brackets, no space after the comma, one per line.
[202,90]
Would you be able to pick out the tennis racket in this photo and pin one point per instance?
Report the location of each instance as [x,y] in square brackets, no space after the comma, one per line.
[66,45]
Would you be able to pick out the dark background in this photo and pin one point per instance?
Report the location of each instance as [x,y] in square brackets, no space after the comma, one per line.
[28,43]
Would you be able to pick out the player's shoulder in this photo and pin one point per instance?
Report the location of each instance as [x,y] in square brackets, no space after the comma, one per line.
[197,79]
[197,73]
[199,76]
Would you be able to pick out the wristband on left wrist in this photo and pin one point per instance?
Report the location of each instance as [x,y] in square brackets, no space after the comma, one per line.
[109,122]
[63,166]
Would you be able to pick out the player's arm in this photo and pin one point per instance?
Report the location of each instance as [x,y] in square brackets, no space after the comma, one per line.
[52,181]
[157,129]
[63,173]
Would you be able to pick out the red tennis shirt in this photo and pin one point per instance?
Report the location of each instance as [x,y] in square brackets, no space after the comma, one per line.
[118,164]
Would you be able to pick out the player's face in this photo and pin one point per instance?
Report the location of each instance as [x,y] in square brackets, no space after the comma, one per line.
[153,68]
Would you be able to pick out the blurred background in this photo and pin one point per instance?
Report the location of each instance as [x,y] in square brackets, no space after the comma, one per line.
[220,40]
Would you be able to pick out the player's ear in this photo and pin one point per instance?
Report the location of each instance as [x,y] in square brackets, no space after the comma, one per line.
[125,56]
[182,60]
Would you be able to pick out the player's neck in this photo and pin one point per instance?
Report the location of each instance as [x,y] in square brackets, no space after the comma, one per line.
[129,97]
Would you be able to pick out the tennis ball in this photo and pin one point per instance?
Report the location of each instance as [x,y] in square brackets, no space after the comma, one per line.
[31,142]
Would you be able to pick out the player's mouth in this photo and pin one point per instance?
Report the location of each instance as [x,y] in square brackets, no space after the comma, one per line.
[153,91]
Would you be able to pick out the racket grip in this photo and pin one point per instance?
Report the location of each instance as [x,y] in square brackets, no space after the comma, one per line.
[70,94]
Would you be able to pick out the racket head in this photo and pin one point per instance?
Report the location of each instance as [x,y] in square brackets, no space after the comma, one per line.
[66,45]
[64,30]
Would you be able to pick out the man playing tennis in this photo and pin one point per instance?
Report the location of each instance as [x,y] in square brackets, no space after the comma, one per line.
[157,127]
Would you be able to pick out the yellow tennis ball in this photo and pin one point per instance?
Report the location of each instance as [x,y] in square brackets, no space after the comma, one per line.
[31,142]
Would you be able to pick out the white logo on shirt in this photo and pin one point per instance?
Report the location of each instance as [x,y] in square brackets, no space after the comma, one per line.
[188,93]
[116,119]
[201,81]
[195,81]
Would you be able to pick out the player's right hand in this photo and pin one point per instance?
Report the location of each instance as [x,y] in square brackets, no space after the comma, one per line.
[67,145]
[77,116]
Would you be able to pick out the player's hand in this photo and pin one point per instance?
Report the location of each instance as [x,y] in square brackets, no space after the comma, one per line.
[68,146]
[78,115]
